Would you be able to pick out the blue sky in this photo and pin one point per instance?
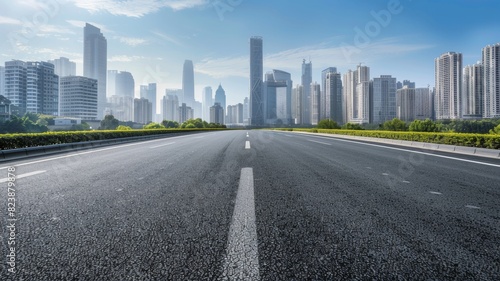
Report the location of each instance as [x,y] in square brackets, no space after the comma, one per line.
[152,38]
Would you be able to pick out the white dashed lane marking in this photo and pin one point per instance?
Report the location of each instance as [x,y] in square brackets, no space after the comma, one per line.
[247,145]
[242,257]
[23,175]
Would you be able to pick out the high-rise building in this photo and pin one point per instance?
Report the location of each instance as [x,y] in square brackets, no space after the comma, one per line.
[170,105]
[315,102]
[448,98]
[185,113]
[491,64]
[149,92]
[188,83]
[332,96]
[124,84]
[413,104]
[122,107]
[256,76]
[246,110]
[275,99]
[143,111]
[220,97]
[297,104]
[2,81]
[383,105]
[407,83]
[111,82]
[207,100]
[473,91]
[306,104]
[32,87]
[322,100]
[234,114]
[15,84]
[95,62]
[42,88]
[357,95]
[217,114]
[63,67]
[424,103]
[284,103]
[78,97]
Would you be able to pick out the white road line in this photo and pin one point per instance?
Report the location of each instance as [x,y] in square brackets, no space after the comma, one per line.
[156,146]
[24,175]
[435,193]
[413,151]
[247,145]
[472,207]
[385,174]
[87,152]
[320,142]
[242,257]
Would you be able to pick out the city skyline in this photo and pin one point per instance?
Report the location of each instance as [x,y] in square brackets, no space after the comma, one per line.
[141,39]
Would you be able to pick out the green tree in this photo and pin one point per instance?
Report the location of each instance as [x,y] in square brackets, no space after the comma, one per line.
[190,126]
[109,123]
[153,125]
[426,125]
[352,126]
[170,124]
[123,128]
[395,125]
[328,124]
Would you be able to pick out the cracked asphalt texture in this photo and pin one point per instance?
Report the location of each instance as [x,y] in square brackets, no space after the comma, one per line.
[325,210]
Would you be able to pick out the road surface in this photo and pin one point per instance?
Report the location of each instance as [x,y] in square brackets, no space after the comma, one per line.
[252,205]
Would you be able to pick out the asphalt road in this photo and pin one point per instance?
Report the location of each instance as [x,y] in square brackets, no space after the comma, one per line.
[267,206]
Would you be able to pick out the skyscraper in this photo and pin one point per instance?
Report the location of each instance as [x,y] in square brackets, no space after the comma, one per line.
[78,97]
[220,97]
[63,67]
[448,102]
[315,102]
[188,83]
[306,105]
[149,92]
[124,84]
[246,110]
[256,76]
[413,103]
[15,84]
[333,101]
[274,94]
[491,64]
[42,88]
[143,111]
[95,62]
[217,114]
[357,95]
[383,106]
[322,100]
[207,99]
[185,113]
[170,105]
[286,112]
[473,103]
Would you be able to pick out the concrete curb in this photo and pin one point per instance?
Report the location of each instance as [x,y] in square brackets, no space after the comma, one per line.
[21,153]
[482,152]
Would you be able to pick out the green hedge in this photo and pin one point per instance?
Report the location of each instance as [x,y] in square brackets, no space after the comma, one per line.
[462,139]
[11,141]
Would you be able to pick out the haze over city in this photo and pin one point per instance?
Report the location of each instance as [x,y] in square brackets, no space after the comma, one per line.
[151,39]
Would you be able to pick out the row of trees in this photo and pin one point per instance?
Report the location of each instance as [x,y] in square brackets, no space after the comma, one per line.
[458,126]
[111,123]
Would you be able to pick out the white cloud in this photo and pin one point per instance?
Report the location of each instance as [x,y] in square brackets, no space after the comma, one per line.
[167,38]
[321,55]
[135,8]
[10,21]
[131,41]
[81,24]
[47,28]
[125,58]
